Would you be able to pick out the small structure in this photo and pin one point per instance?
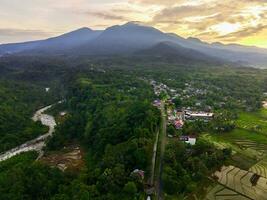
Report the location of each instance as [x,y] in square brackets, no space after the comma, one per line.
[189,139]
[62,114]
[47,89]
[254,179]
[139,173]
[178,124]
[157,103]
[190,115]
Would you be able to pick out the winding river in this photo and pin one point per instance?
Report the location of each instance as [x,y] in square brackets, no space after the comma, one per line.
[38,143]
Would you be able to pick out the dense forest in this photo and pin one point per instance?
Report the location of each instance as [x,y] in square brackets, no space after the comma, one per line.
[110,115]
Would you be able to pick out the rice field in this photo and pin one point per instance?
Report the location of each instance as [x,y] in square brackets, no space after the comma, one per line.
[220,192]
[260,168]
[255,121]
[249,138]
[240,182]
[249,143]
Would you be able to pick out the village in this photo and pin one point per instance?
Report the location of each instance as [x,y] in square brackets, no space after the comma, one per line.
[178,115]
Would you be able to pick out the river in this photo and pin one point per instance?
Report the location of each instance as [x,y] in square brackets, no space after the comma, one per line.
[38,143]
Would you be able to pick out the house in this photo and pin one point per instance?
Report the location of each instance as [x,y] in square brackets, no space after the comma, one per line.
[157,103]
[180,115]
[190,115]
[62,114]
[178,124]
[189,139]
[139,173]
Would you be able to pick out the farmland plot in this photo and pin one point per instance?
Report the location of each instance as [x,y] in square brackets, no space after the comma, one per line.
[260,168]
[240,181]
[261,149]
[219,192]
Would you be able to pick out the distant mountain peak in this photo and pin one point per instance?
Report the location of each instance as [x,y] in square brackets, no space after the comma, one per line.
[193,39]
[82,30]
[133,23]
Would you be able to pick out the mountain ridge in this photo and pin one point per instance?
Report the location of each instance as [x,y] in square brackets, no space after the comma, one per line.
[132,37]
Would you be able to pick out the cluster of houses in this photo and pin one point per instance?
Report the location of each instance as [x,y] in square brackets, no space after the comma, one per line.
[177,117]
[159,88]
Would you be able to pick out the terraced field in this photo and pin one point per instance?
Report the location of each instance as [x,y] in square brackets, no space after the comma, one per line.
[219,192]
[260,148]
[256,121]
[260,168]
[240,181]
[248,139]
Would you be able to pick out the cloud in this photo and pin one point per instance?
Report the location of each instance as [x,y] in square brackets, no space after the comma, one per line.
[108,16]
[18,35]
[21,32]
[211,20]
[158,2]
[248,31]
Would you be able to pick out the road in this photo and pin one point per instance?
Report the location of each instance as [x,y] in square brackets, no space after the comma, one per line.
[38,143]
[163,139]
[154,157]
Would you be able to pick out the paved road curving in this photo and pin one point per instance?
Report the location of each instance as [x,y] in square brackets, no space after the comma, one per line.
[38,143]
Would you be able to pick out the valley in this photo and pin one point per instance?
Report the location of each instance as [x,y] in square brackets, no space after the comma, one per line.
[161,118]
[133,100]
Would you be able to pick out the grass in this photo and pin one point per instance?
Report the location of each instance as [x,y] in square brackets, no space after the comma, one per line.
[239,134]
[251,127]
[248,140]
[256,121]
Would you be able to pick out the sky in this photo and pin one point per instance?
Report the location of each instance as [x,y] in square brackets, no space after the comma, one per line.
[227,21]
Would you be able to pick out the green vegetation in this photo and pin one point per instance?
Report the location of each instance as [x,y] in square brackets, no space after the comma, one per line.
[108,101]
[18,101]
[186,168]
[22,178]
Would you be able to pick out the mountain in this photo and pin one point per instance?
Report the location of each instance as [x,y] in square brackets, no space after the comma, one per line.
[123,39]
[176,52]
[17,47]
[57,44]
[130,38]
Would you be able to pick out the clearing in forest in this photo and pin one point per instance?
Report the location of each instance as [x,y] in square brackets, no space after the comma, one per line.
[71,158]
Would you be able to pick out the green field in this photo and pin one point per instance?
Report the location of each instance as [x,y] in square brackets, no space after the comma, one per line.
[248,140]
[256,121]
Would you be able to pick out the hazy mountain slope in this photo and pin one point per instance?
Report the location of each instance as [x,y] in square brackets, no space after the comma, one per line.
[67,41]
[56,44]
[251,56]
[18,47]
[123,40]
[177,52]
[129,38]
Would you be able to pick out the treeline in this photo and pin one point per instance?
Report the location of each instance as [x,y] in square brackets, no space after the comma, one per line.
[22,91]
[18,102]
[22,178]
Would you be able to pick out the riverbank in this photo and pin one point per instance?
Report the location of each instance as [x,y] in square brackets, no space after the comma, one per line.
[38,143]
